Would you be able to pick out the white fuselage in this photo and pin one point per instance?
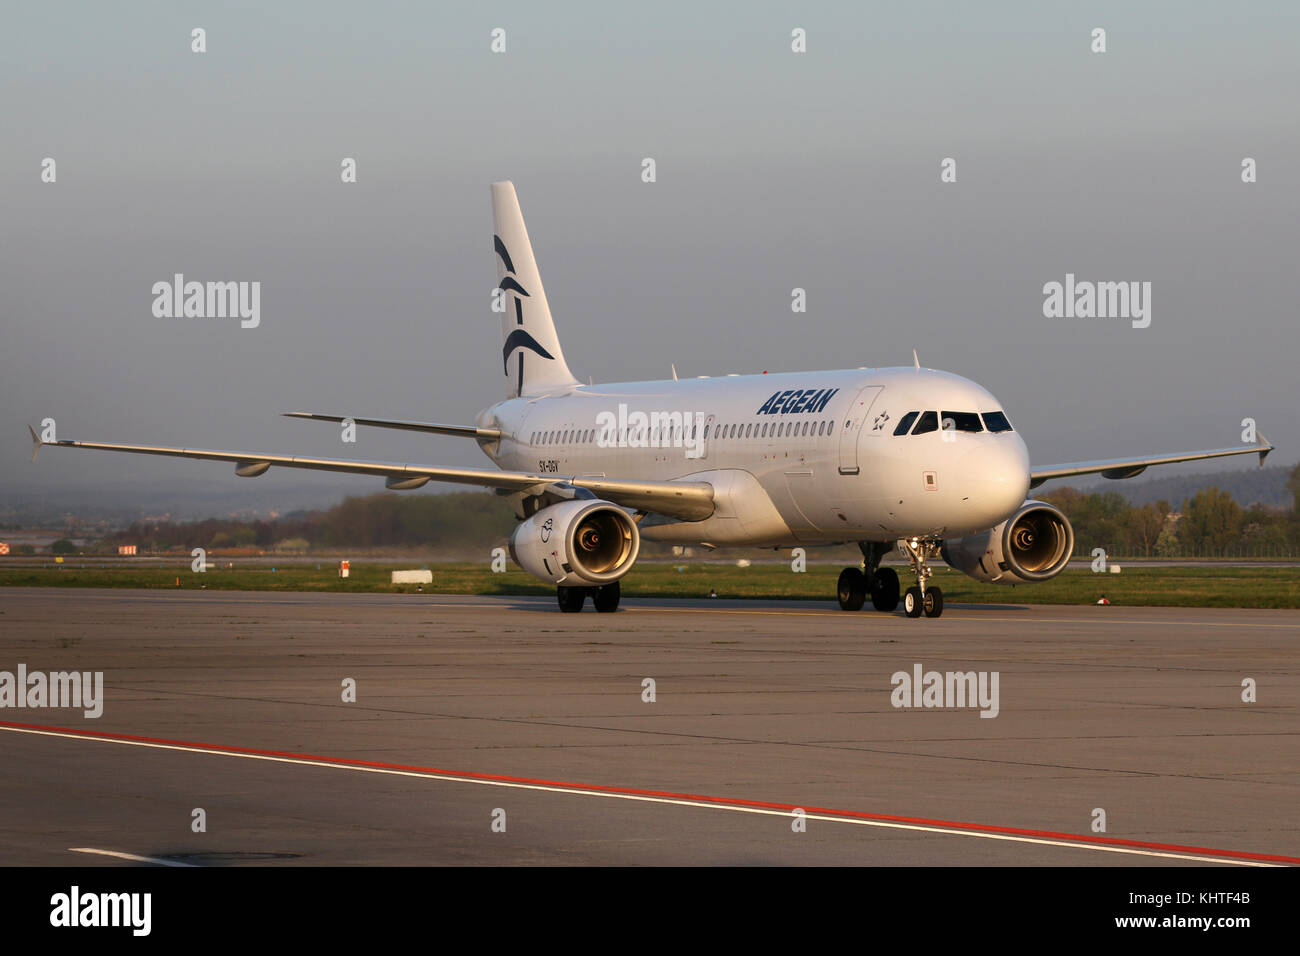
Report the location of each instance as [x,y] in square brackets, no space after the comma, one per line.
[795,458]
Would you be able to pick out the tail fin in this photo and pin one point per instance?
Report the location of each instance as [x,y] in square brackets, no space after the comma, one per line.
[526,325]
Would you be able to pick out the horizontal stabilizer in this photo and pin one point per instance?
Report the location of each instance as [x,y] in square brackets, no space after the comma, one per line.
[463,431]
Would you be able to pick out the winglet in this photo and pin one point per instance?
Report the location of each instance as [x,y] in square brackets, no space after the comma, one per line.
[1264,448]
[916,362]
[36,441]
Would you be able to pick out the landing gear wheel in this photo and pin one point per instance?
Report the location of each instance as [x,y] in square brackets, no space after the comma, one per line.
[933,602]
[852,589]
[605,598]
[571,599]
[912,602]
[884,596]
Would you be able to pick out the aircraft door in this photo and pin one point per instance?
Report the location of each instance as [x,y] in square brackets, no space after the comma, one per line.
[850,427]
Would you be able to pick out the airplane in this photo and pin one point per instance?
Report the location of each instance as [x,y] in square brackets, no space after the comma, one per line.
[914,458]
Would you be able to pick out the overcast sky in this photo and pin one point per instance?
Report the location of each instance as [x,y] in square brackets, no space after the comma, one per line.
[775,170]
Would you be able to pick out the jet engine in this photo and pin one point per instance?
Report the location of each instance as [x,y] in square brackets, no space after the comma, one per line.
[577,543]
[1034,544]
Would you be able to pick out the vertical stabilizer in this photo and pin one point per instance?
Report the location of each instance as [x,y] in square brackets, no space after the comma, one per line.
[530,351]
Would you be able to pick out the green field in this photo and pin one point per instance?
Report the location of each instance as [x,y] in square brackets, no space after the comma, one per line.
[1157,586]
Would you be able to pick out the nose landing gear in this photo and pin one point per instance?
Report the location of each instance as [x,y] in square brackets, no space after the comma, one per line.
[921,599]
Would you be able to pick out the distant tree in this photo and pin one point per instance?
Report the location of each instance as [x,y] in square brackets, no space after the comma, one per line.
[25,549]
[1167,544]
[1293,486]
[1264,531]
[1211,522]
[63,546]
[1145,525]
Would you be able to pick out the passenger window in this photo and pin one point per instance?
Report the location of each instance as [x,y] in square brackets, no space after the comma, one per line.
[996,422]
[928,422]
[906,423]
[963,421]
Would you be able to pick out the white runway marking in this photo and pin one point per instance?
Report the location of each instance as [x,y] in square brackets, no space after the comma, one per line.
[127,856]
[643,798]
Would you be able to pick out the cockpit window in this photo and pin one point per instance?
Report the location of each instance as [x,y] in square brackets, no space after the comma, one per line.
[905,423]
[996,422]
[961,421]
[928,422]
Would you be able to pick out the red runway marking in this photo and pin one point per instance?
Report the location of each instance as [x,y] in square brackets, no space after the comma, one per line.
[1080,838]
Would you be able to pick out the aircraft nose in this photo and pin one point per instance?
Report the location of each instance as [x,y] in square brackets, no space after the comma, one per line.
[995,477]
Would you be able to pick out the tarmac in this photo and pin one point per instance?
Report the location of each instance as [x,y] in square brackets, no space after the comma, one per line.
[498,731]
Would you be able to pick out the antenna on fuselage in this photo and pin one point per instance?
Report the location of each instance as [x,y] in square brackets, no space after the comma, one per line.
[916,362]
[674,368]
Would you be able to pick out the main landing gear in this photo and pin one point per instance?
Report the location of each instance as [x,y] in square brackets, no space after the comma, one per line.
[603,598]
[882,583]
[871,579]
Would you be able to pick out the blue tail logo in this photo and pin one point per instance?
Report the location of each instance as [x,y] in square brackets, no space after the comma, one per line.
[518,339]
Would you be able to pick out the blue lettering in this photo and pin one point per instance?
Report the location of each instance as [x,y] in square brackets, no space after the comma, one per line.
[830,393]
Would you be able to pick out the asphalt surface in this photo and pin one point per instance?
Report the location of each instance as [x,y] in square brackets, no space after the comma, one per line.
[760,707]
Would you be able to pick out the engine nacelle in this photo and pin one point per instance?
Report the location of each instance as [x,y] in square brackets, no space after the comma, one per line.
[577,543]
[1034,544]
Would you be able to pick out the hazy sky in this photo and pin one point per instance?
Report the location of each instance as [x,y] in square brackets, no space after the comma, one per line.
[775,170]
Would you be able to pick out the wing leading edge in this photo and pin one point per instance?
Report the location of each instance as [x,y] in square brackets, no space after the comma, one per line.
[687,500]
[1131,467]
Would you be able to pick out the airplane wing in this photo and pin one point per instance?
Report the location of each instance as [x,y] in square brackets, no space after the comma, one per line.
[1130,467]
[464,431]
[687,500]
